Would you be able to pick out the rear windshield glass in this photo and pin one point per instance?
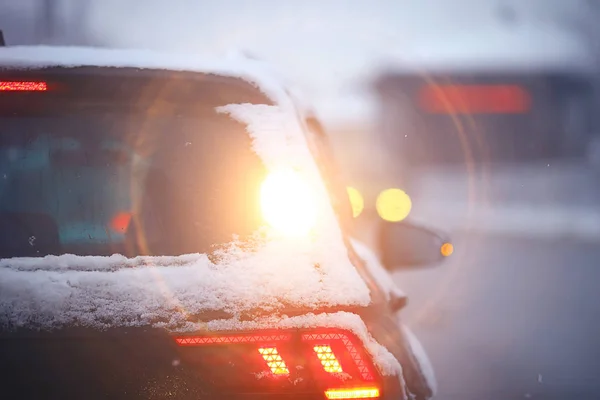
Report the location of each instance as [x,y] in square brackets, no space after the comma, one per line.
[97,166]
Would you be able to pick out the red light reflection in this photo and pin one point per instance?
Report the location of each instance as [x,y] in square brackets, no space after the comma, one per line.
[474,99]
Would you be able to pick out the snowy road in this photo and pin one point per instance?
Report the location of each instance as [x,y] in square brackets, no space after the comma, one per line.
[544,200]
[511,318]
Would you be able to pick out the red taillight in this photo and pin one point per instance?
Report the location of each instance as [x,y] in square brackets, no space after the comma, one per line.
[332,362]
[353,393]
[328,359]
[352,351]
[474,99]
[230,339]
[23,86]
[274,360]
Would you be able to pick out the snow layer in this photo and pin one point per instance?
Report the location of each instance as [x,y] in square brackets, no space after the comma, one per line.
[422,358]
[381,275]
[273,273]
[81,290]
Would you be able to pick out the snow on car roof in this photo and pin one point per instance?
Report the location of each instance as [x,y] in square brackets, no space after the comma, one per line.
[254,71]
[277,274]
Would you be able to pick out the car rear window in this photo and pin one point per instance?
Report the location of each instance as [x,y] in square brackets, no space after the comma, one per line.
[130,162]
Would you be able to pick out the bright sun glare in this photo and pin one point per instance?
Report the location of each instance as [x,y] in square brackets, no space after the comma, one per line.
[288,203]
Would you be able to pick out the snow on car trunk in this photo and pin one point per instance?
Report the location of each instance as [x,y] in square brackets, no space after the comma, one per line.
[169,294]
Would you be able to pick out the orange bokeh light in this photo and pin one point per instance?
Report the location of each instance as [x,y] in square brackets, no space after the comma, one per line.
[447,249]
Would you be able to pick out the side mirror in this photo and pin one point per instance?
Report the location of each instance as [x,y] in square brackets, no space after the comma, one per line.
[403,245]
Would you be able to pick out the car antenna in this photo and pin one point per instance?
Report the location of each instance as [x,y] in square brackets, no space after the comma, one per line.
[2,42]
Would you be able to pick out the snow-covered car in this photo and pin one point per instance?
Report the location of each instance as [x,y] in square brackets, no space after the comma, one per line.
[174,228]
